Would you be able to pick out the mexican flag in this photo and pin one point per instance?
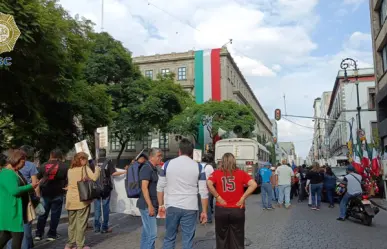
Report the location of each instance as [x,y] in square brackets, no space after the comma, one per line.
[375,163]
[365,161]
[207,84]
[356,163]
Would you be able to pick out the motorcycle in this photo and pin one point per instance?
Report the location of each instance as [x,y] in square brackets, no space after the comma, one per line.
[360,207]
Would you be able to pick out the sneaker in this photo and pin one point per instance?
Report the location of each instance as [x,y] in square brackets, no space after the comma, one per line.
[314,208]
[288,206]
[340,219]
[270,208]
[318,209]
[38,238]
[97,230]
[53,238]
[109,230]
[264,208]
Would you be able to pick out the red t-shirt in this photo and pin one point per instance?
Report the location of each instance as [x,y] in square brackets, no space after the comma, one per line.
[230,188]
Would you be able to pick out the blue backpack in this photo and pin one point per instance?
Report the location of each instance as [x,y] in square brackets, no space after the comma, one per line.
[132,183]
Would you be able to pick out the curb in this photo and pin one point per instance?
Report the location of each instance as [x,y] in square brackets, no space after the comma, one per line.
[378,205]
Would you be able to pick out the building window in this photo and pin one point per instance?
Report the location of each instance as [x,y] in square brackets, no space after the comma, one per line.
[147,141]
[371,98]
[374,131]
[114,144]
[384,57]
[383,12]
[182,73]
[165,71]
[164,141]
[149,74]
[131,145]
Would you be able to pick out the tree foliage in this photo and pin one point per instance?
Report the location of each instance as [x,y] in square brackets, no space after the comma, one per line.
[43,90]
[145,105]
[226,115]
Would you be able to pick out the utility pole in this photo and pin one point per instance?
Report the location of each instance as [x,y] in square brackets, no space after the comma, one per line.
[102,15]
[285,104]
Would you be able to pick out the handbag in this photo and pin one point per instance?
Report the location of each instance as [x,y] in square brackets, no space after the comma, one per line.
[87,188]
[31,213]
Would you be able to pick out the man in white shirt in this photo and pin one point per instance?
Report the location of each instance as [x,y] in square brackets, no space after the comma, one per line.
[182,179]
[284,177]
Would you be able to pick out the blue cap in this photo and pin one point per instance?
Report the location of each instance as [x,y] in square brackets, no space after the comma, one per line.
[267,164]
[350,168]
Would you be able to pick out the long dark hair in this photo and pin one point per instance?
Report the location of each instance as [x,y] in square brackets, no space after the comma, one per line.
[329,171]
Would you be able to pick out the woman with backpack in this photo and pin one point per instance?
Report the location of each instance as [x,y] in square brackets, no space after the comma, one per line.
[78,211]
[226,184]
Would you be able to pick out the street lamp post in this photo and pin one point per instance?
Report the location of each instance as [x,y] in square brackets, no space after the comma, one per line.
[345,64]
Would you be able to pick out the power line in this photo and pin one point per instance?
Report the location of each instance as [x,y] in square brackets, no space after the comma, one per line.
[298,123]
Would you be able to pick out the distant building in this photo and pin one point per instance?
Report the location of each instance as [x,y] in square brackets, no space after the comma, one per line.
[379,35]
[342,107]
[290,151]
[209,74]
[324,138]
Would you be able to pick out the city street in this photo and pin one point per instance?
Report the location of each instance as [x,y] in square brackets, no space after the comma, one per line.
[296,228]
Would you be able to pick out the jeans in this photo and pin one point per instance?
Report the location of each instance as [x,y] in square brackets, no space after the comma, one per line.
[105,214]
[187,221]
[316,190]
[149,230]
[28,242]
[330,194]
[284,193]
[210,209]
[53,205]
[266,191]
[343,204]
[275,194]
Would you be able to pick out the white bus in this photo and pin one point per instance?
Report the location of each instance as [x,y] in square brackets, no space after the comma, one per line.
[249,154]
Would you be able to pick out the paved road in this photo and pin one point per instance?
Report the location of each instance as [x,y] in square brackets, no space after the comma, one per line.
[296,228]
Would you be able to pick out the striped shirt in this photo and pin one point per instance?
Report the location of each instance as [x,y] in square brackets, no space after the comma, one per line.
[181,182]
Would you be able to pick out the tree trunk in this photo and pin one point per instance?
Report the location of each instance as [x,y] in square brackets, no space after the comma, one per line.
[123,145]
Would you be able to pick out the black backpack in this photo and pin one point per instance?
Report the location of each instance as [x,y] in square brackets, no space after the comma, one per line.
[105,180]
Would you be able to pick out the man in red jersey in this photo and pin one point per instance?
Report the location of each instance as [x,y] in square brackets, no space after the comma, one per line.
[230,202]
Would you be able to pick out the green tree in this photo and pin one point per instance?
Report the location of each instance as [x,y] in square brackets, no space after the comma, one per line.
[226,114]
[145,105]
[42,92]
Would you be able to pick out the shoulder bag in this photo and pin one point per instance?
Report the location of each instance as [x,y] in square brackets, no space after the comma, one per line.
[87,188]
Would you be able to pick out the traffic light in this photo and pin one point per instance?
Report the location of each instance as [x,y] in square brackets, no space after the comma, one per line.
[277,114]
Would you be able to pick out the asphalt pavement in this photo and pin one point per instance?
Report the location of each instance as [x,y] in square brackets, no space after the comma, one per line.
[295,228]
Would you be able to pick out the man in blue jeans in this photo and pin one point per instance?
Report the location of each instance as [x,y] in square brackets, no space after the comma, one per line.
[284,178]
[147,203]
[182,177]
[102,205]
[53,175]
[29,172]
[266,186]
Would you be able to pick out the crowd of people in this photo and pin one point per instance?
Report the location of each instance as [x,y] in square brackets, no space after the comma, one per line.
[182,191]
[280,183]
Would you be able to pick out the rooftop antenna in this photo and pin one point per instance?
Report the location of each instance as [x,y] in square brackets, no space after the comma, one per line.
[102,12]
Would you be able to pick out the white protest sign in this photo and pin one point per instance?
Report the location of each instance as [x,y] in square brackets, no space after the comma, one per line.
[103,137]
[83,147]
[197,155]
[155,143]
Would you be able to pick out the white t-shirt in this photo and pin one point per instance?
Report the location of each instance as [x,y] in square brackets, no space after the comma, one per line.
[208,169]
[284,173]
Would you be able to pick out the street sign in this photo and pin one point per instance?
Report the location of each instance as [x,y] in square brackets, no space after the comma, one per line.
[103,137]
[277,114]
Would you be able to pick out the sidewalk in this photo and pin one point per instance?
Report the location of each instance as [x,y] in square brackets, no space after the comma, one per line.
[379,202]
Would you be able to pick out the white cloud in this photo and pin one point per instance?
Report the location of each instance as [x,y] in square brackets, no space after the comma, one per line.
[272,44]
